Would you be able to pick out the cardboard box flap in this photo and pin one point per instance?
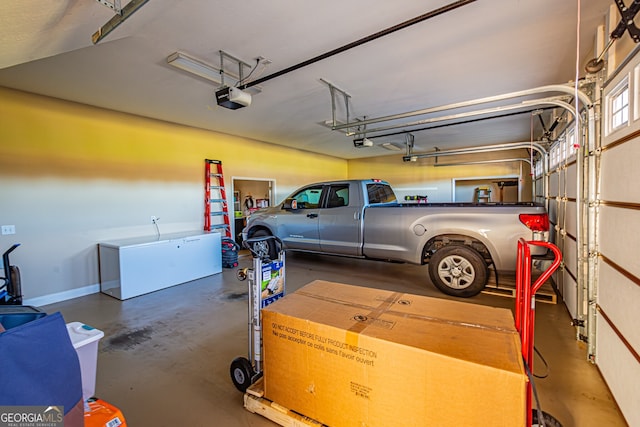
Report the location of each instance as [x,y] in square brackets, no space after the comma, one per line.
[441,309]
[453,329]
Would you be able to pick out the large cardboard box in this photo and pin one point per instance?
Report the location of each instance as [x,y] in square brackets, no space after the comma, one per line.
[353,356]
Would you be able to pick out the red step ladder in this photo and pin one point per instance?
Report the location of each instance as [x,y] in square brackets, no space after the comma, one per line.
[216,212]
[525,310]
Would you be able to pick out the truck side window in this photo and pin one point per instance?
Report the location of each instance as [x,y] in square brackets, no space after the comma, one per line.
[309,198]
[338,196]
[380,193]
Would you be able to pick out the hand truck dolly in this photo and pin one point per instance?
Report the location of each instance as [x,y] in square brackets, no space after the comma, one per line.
[525,320]
[266,285]
[10,287]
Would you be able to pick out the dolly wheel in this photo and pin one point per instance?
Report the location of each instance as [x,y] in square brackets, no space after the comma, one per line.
[548,420]
[241,274]
[241,373]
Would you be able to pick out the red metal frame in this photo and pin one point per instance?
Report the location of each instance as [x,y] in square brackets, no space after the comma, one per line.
[207,190]
[526,302]
[207,195]
[223,197]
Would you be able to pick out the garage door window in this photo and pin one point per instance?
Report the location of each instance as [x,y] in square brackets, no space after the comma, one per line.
[618,105]
[538,167]
[572,144]
[554,156]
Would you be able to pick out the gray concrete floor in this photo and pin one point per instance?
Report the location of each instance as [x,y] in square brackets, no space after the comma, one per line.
[164,360]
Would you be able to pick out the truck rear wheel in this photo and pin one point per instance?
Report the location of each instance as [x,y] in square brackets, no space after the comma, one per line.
[458,270]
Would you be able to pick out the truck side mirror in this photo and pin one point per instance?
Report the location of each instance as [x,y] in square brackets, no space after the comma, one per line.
[290,204]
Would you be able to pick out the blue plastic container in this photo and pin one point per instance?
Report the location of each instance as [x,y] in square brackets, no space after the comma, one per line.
[16,315]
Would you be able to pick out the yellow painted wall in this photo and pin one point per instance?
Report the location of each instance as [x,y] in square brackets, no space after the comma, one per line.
[73,175]
[45,136]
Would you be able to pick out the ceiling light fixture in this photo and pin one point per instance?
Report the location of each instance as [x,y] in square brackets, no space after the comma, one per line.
[209,72]
[194,66]
[391,146]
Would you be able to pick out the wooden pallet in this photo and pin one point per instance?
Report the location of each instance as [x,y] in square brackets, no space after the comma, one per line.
[255,402]
[507,288]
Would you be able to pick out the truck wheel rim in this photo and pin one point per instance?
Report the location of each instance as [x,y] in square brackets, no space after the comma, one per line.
[456,272]
[261,249]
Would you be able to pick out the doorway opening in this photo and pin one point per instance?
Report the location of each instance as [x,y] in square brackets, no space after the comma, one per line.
[249,195]
[503,189]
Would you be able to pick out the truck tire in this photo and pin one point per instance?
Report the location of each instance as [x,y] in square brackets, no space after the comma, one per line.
[458,270]
[269,249]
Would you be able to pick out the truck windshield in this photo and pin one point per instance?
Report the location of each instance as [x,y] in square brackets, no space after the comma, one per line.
[380,193]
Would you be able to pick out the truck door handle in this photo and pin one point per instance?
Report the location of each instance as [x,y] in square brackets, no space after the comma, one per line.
[312,215]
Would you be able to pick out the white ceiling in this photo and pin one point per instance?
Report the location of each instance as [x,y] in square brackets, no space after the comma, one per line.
[481,49]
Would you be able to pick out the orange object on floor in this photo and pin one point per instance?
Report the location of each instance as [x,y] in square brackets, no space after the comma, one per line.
[99,413]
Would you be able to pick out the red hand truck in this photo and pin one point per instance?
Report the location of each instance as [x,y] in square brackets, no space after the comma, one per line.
[525,308]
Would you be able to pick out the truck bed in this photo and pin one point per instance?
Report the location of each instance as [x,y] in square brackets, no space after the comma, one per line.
[461,204]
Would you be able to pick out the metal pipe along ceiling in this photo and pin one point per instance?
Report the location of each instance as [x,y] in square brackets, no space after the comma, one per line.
[483,162]
[566,89]
[503,108]
[461,122]
[439,11]
[536,145]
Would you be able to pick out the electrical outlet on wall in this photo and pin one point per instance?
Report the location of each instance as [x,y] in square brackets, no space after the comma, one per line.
[154,219]
[8,229]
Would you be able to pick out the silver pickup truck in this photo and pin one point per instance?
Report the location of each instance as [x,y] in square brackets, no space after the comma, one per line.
[362,218]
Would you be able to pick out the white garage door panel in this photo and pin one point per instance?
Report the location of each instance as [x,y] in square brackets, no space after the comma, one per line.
[570,256]
[620,175]
[569,294]
[620,369]
[618,237]
[571,189]
[562,189]
[570,225]
[553,185]
[553,212]
[619,298]
[539,190]
[562,212]
[618,242]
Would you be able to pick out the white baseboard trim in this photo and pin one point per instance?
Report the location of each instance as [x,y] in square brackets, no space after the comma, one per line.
[62,296]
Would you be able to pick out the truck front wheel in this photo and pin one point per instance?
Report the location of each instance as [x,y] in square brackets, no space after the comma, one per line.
[458,270]
[265,248]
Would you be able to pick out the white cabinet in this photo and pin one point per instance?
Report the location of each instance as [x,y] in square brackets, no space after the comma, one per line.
[137,266]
